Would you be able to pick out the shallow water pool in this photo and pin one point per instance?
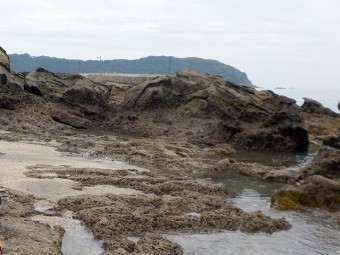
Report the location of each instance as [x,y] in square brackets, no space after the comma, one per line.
[311,233]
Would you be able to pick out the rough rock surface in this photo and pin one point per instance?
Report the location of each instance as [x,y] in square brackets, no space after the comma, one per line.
[326,163]
[4,68]
[167,204]
[315,191]
[152,244]
[72,100]
[313,106]
[11,90]
[20,235]
[73,89]
[179,126]
[204,109]
[333,141]
[241,115]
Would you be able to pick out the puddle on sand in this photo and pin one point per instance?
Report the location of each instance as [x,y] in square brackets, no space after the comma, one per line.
[18,156]
[44,206]
[76,239]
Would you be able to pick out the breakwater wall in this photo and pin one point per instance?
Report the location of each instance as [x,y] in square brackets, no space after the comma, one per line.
[119,78]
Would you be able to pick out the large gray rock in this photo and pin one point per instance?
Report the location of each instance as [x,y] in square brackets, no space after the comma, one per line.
[9,80]
[83,91]
[11,84]
[71,89]
[79,101]
[250,118]
[333,140]
[4,68]
[326,163]
[42,82]
[313,106]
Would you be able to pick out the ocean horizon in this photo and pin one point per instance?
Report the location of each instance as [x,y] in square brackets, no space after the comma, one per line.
[328,97]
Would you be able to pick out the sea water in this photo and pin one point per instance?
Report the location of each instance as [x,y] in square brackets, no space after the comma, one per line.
[328,96]
[311,233]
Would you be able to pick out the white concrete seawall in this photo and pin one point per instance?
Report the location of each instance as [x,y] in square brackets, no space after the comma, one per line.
[119,77]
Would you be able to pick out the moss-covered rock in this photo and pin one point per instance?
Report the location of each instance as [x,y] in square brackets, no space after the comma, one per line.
[314,192]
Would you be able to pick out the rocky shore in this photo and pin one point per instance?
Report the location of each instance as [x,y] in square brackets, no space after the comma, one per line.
[173,131]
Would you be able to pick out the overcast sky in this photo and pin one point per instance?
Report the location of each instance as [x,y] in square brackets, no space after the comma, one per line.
[285,43]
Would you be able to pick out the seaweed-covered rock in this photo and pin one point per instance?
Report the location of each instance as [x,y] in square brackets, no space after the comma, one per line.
[157,245]
[314,192]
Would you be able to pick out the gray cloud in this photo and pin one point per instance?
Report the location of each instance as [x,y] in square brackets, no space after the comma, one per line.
[283,43]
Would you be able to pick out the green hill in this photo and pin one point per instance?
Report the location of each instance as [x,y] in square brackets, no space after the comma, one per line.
[151,65]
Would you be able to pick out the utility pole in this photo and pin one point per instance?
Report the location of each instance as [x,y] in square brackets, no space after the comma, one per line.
[100,62]
[78,66]
[169,65]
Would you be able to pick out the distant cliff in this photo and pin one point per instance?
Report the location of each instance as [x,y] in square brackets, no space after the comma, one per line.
[150,65]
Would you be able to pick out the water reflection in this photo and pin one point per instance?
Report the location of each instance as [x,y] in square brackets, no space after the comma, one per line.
[78,240]
[277,159]
[311,233]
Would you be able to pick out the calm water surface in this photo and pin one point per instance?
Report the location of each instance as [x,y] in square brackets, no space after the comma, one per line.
[327,97]
[311,233]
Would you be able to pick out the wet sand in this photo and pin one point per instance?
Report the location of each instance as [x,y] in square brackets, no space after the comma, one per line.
[16,157]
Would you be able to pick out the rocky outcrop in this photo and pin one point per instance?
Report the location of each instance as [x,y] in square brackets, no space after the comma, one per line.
[326,163]
[241,115]
[200,108]
[313,106]
[71,89]
[4,68]
[84,91]
[9,81]
[333,141]
[71,99]
[70,119]
[21,235]
[315,185]
[167,204]
[44,83]
[314,192]
[152,244]
[10,84]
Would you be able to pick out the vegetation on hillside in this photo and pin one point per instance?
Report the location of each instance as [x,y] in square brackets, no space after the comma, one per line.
[150,65]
